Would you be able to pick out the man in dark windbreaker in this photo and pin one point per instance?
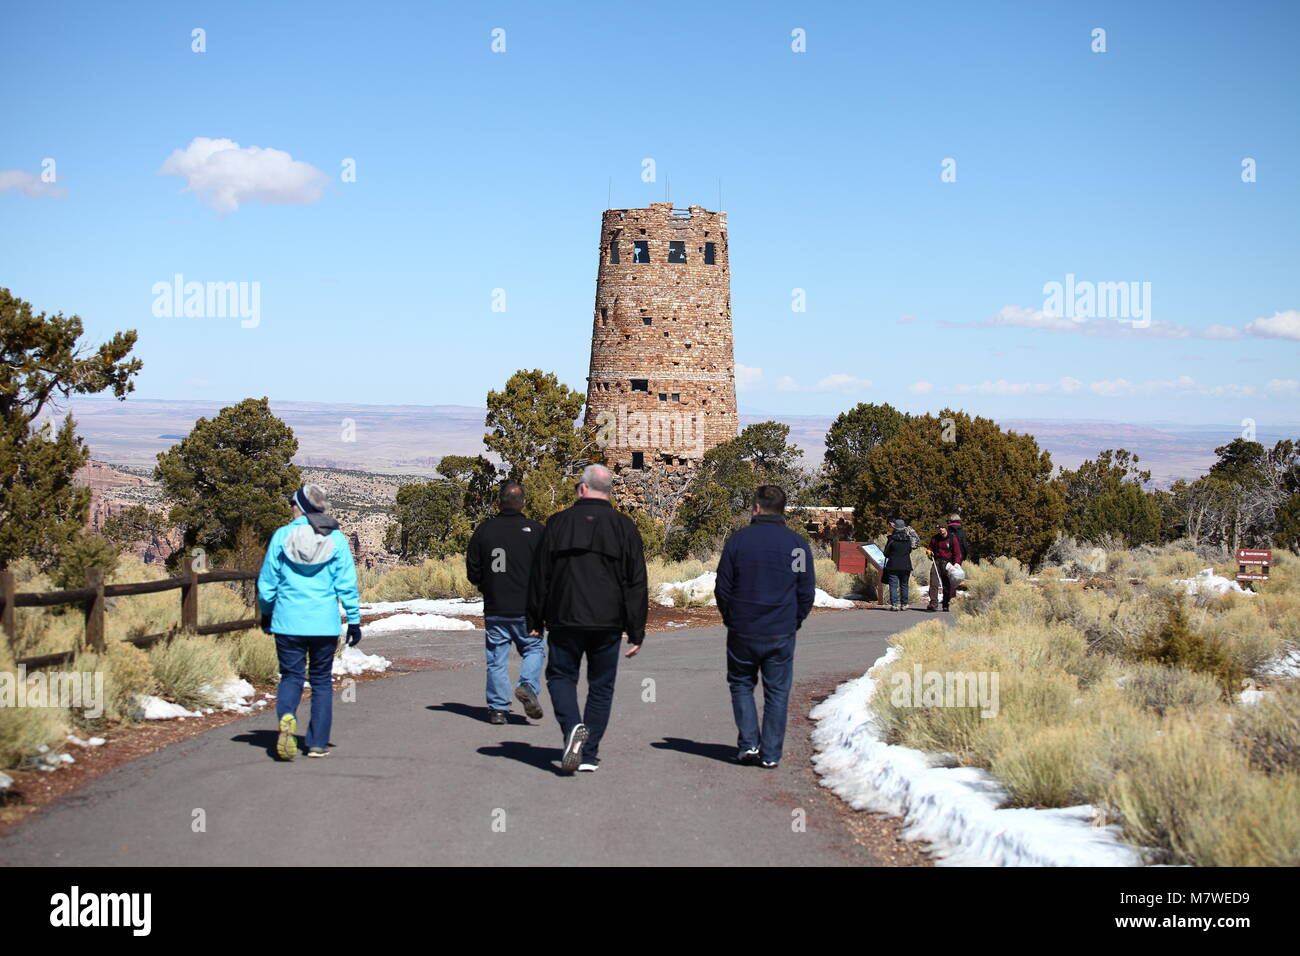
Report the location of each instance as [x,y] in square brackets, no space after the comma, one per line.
[765,588]
[497,562]
[587,589]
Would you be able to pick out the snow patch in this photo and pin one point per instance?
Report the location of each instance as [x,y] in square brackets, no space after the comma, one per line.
[1208,583]
[696,590]
[149,707]
[953,809]
[353,662]
[233,693]
[445,606]
[417,622]
[823,599]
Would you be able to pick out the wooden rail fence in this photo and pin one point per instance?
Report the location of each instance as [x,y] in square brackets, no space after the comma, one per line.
[96,592]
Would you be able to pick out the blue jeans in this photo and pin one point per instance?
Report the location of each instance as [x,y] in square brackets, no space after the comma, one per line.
[297,656]
[897,580]
[567,650]
[773,658]
[500,633]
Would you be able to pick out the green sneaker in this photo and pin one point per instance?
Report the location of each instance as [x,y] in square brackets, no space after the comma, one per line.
[287,746]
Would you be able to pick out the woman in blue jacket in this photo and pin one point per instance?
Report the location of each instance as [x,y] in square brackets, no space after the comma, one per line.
[307,574]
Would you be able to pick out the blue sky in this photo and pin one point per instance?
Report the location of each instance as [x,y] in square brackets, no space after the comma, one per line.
[478,171]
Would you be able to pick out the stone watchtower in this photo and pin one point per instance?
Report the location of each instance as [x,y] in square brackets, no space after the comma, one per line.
[662,386]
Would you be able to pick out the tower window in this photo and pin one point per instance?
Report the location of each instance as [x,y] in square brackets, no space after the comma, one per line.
[676,251]
[677,396]
[641,251]
[613,251]
[638,460]
[663,396]
[640,385]
[646,320]
[710,256]
[604,316]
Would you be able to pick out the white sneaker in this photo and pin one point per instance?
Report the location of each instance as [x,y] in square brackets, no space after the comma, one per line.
[573,749]
[588,767]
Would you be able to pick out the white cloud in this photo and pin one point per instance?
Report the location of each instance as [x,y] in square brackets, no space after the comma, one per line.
[1281,325]
[839,382]
[29,184]
[1121,388]
[753,379]
[225,175]
[748,378]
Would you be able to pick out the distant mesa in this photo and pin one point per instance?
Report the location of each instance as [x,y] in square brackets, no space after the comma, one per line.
[174,437]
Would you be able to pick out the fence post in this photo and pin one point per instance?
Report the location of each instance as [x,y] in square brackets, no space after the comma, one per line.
[189,595]
[7,590]
[95,611]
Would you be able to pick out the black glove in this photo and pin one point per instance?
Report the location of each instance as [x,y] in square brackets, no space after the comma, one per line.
[354,635]
[266,624]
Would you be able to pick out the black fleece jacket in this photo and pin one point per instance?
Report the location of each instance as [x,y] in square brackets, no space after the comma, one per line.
[589,573]
[498,560]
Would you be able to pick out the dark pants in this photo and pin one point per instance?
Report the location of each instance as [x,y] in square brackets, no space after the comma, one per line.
[298,655]
[947,583]
[562,664]
[898,581]
[747,658]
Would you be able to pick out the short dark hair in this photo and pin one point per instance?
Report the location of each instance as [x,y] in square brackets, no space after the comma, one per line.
[770,499]
[511,495]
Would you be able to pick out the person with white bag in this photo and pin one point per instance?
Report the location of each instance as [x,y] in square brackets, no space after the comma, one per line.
[945,555]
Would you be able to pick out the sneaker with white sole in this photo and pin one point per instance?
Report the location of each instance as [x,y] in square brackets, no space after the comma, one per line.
[769,764]
[747,758]
[573,748]
[317,752]
[589,766]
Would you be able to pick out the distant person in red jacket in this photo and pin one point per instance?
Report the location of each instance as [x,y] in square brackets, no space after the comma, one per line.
[943,549]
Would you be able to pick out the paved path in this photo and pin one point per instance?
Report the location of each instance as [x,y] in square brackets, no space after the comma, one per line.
[419,778]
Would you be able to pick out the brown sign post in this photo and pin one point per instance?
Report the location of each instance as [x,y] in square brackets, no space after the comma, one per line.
[1253,565]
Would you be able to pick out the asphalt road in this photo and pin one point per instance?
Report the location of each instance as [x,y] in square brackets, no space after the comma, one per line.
[418,777]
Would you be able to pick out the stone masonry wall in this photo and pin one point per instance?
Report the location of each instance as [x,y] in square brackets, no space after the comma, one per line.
[662,383]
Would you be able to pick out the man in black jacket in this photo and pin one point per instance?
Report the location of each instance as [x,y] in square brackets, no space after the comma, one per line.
[957,531]
[765,588]
[497,562]
[588,588]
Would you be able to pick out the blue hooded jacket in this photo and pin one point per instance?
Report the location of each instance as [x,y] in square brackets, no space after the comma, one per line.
[304,577]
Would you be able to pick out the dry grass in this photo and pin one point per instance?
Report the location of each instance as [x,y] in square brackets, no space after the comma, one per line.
[185,666]
[1123,697]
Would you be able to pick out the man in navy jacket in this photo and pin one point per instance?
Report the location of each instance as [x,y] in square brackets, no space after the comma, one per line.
[765,588]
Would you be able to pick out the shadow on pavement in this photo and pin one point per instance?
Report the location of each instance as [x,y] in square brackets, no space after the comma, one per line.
[266,739]
[724,752]
[543,758]
[475,713]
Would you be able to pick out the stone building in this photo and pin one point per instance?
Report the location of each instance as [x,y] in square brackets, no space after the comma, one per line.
[662,385]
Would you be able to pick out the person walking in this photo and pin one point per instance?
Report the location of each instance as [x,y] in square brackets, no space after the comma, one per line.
[765,588]
[956,530]
[943,549]
[587,589]
[898,564]
[497,562]
[307,573]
